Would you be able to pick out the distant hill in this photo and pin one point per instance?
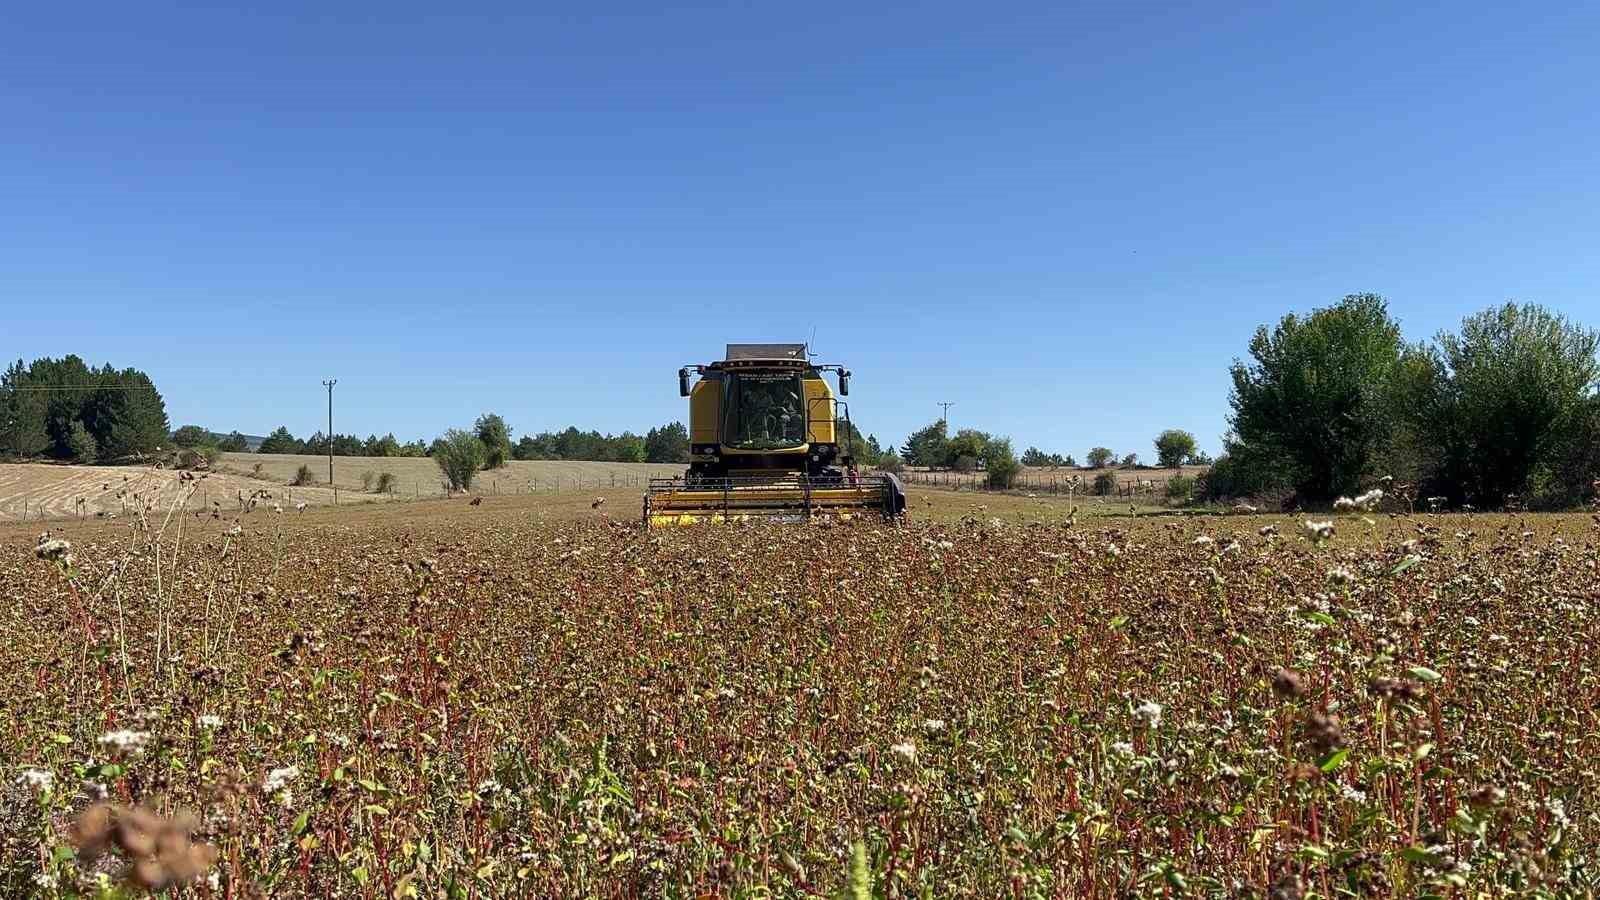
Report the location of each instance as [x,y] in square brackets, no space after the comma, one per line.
[253,441]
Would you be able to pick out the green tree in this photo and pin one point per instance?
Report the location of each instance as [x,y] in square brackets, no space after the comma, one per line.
[1035,458]
[460,455]
[667,444]
[82,444]
[1310,411]
[627,447]
[22,415]
[1000,462]
[1100,457]
[234,443]
[970,445]
[1173,446]
[281,441]
[381,446]
[927,447]
[191,436]
[495,435]
[1503,400]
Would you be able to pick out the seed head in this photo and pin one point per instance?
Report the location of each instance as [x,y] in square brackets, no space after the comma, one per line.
[56,550]
[1287,683]
[1324,732]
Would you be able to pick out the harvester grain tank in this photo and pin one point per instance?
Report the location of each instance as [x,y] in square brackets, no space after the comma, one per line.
[766,441]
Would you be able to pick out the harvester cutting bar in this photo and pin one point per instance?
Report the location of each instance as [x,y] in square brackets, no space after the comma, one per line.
[686,501]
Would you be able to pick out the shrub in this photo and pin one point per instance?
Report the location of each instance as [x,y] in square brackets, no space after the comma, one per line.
[1105,484]
[366,480]
[387,482]
[196,458]
[890,463]
[965,463]
[1180,487]
[1100,457]
[460,456]
[303,476]
[256,470]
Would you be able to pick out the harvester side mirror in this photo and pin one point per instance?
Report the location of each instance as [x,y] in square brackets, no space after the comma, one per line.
[683,382]
[844,384]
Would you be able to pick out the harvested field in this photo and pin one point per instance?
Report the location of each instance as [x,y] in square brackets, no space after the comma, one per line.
[30,491]
[419,477]
[467,700]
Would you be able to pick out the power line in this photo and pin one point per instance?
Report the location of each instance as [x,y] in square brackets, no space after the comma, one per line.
[945,417]
[86,387]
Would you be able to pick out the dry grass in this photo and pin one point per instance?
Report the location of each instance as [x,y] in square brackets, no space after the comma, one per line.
[420,476]
[60,491]
[43,491]
[529,698]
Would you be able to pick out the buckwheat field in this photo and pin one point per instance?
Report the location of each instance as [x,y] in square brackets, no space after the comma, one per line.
[488,705]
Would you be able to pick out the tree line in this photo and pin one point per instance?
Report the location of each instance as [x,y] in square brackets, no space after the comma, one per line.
[65,409]
[931,447]
[1504,411]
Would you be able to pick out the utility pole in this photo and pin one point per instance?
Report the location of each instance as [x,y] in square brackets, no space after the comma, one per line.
[329,385]
[945,416]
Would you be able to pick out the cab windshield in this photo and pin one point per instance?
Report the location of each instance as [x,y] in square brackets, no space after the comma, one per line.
[765,411]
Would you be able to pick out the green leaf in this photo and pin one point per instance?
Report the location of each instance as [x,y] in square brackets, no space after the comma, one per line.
[359,873]
[1419,854]
[372,786]
[1320,617]
[1423,673]
[301,823]
[1407,563]
[1333,760]
[1117,622]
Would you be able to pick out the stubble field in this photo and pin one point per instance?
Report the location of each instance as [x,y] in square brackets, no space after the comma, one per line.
[521,698]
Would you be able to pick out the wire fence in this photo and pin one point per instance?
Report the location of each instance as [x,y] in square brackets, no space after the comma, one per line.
[1130,484]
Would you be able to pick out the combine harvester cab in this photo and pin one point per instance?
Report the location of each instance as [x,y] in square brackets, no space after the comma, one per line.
[768,440]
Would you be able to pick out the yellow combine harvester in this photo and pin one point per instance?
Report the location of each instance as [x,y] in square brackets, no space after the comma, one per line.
[764,432]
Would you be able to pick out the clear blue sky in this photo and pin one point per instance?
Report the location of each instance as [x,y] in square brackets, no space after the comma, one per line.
[1068,219]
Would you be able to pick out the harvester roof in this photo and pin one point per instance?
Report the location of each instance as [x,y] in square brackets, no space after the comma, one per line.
[766,352]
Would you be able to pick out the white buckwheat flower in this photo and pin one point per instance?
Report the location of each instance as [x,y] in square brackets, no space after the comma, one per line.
[126,741]
[37,780]
[278,779]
